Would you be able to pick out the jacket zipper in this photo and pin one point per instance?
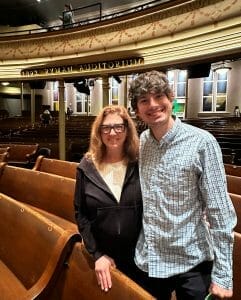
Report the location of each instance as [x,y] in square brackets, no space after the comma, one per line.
[119,229]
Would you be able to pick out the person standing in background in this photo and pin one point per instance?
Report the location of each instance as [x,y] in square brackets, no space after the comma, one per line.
[68,16]
[236,111]
[188,218]
[108,201]
[46,117]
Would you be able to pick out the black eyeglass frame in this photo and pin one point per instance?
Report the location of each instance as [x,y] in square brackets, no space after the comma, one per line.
[106,129]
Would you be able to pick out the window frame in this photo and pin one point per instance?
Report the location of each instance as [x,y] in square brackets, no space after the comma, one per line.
[215,78]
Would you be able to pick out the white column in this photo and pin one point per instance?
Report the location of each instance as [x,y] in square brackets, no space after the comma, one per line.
[61,121]
[105,90]
[32,106]
[21,100]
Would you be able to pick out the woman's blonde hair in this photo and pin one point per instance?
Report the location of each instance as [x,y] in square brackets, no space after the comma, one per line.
[97,148]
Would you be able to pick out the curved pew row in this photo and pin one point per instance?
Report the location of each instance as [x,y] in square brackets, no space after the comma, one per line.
[50,194]
[77,276]
[33,251]
[78,281]
[56,166]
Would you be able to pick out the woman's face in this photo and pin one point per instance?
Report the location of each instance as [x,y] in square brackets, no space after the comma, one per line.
[113,132]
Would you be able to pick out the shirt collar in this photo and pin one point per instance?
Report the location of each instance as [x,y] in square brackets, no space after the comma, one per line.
[170,135]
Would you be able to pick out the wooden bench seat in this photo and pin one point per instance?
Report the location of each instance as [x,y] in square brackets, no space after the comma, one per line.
[78,281]
[50,194]
[21,154]
[56,166]
[32,253]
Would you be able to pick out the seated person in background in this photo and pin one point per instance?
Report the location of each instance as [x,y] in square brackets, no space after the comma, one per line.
[108,202]
[236,111]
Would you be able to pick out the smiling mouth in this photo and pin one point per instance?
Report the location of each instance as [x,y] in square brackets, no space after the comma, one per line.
[156,112]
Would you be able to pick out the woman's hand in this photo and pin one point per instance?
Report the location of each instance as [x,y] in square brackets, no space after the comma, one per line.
[102,270]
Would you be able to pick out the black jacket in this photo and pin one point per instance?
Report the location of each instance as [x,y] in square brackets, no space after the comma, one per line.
[106,225]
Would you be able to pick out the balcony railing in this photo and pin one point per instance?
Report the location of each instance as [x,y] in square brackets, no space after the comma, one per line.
[94,14]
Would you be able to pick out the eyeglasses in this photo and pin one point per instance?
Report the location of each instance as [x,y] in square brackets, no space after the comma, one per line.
[118,128]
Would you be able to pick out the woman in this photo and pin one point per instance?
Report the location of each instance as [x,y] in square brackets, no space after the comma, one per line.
[108,203]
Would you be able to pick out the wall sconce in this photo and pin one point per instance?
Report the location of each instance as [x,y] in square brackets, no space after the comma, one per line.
[222,68]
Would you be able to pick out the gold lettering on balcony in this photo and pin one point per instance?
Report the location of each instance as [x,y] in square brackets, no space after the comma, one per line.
[96,66]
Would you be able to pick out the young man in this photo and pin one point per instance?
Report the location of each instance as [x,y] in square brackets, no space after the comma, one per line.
[188,218]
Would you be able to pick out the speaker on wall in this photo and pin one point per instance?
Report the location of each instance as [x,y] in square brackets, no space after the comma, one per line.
[37,84]
[82,86]
[199,71]
[117,78]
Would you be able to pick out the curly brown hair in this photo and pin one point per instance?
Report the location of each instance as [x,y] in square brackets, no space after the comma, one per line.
[150,82]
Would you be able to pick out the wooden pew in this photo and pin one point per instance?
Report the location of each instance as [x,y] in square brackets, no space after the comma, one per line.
[51,194]
[4,157]
[21,154]
[234,184]
[32,253]
[236,199]
[236,267]
[228,158]
[56,166]
[4,150]
[232,170]
[78,281]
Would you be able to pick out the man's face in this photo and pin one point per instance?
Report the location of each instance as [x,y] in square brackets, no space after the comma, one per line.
[154,109]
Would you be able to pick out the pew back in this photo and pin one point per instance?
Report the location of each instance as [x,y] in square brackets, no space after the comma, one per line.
[51,193]
[232,170]
[32,250]
[236,199]
[21,154]
[78,281]
[4,157]
[4,149]
[234,184]
[56,166]
[236,267]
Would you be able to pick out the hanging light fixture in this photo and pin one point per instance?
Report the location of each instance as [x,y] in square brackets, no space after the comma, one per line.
[222,68]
